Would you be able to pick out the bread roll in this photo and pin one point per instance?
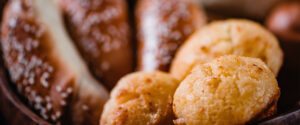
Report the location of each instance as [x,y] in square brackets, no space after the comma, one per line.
[101,32]
[45,66]
[162,26]
[141,98]
[230,90]
[233,36]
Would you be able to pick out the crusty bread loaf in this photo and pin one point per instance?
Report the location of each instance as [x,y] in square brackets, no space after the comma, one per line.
[141,98]
[230,90]
[162,26]
[45,66]
[233,36]
[101,32]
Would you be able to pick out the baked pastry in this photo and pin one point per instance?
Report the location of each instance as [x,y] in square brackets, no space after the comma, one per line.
[45,66]
[141,98]
[162,26]
[230,90]
[101,32]
[234,36]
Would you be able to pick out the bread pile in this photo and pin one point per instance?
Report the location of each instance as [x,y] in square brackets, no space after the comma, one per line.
[222,73]
[227,76]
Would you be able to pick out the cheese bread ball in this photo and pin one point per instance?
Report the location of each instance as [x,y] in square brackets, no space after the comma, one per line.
[229,90]
[142,98]
[229,37]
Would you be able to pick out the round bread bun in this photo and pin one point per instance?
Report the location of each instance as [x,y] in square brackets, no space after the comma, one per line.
[228,90]
[233,36]
[141,98]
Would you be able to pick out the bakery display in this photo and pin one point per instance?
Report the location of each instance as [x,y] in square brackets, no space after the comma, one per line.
[141,98]
[101,32]
[162,26]
[228,90]
[233,36]
[45,66]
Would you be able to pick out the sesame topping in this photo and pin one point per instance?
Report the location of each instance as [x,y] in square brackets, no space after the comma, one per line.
[45,116]
[28,63]
[63,103]
[48,99]
[43,79]
[38,99]
[27,89]
[105,65]
[69,90]
[12,22]
[58,89]
[53,117]
[64,95]
[37,106]
[58,114]
[49,106]
[164,25]
[103,29]
[85,107]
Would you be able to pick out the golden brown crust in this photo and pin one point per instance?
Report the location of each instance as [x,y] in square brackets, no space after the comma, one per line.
[233,36]
[101,31]
[141,98]
[228,90]
[270,110]
[162,26]
[37,54]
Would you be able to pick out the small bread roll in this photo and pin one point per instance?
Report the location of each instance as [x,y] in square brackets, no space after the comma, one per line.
[141,98]
[234,36]
[162,26]
[229,90]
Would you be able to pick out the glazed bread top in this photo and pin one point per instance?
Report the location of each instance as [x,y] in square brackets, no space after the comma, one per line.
[45,66]
[162,26]
[229,90]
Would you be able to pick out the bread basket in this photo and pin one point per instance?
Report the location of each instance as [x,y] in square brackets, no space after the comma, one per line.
[13,110]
